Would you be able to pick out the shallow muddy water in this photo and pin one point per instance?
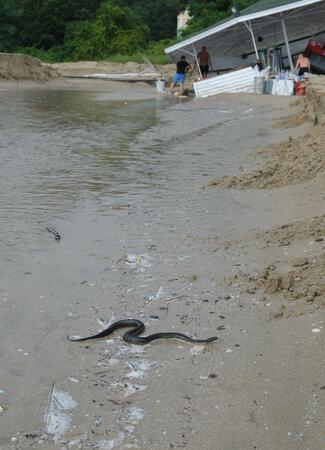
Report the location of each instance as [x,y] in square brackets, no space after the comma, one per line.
[61,150]
[122,182]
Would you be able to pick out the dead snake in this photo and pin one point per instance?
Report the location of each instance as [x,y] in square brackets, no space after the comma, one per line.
[132,336]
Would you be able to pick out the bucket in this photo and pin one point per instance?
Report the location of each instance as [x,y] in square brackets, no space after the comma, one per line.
[160,86]
[259,85]
[268,86]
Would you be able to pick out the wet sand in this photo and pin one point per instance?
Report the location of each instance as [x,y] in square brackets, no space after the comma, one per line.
[114,90]
[186,258]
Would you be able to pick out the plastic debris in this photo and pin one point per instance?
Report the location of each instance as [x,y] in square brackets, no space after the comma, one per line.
[56,420]
[128,388]
[75,380]
[197,349]
[158,295]
[131,389]
[134,349]
[110,362]
[203,377]
[76,442]
[139,368]
[109,444]
[140,262]
[135,414]
[98,420]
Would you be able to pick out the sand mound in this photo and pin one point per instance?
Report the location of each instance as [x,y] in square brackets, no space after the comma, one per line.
[311,107]
[284,235]
[297,291]
[294,161]
[23,67]
[306,280]
[300,287]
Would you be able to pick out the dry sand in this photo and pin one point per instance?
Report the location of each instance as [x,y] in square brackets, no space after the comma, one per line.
[293,161]
[283,270]
[23,67]
[298,280]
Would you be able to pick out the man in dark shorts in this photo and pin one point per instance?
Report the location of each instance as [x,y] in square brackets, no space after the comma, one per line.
[204,62]
[303,64]
[179,78]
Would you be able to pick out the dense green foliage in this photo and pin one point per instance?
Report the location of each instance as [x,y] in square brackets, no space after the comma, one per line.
[209,12]
[114,30]
[101,29]
[159,15]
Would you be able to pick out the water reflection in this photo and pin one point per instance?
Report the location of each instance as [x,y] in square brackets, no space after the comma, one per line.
[60,146]
[65,153]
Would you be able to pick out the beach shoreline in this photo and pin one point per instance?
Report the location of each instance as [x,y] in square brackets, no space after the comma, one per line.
[250,272]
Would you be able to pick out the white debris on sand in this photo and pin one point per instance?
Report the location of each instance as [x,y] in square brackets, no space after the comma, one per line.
[57,420]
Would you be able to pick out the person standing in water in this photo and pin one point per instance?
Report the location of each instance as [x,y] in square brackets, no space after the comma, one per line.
[182,67]
[204,62]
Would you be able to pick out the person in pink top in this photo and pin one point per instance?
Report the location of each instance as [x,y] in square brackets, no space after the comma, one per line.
[204,62]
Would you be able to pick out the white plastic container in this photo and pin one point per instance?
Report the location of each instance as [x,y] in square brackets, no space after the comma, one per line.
[259,85]
[160,86]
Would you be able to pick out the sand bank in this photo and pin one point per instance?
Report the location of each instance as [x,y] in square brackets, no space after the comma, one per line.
[26,72]
[295,160]
[23,67]
[14,66]
[298,280]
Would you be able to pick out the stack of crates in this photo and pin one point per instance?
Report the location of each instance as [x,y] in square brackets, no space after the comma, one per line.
[316,54]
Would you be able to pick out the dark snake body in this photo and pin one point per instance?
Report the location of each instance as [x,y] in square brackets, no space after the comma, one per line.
[132,336]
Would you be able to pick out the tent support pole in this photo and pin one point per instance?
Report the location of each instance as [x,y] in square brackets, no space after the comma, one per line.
[188,53]
[287,43]
[250,29]
[197,61]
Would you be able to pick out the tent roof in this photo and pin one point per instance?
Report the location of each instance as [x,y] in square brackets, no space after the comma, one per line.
[265,5]
[232,38]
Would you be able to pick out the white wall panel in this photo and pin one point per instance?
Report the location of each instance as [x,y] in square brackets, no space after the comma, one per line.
[238,81]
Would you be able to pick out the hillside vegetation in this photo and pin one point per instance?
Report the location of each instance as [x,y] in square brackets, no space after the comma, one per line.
[71,30]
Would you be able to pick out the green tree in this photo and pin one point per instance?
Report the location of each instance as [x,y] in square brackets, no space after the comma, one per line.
[160,16]
[10,12]
[208,12]
[43,22]
[115,30]
[74,29]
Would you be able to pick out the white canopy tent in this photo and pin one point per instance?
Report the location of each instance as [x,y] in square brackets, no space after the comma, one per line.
[266,24]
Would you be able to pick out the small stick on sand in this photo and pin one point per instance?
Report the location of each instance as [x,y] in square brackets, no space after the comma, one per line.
[52,230]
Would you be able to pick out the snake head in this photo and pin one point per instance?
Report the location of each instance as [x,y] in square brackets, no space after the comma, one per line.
[73,338]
